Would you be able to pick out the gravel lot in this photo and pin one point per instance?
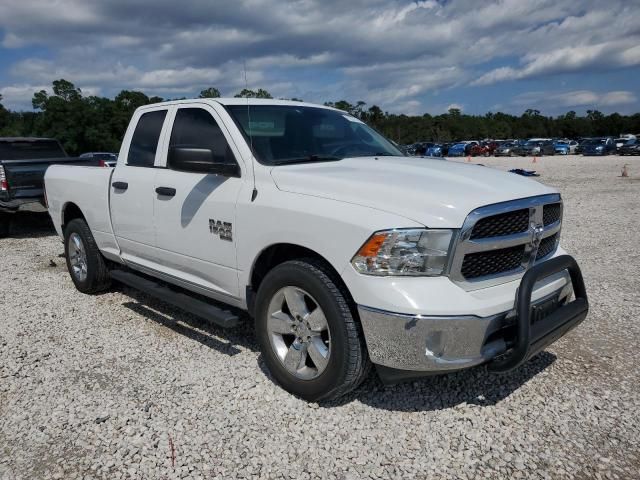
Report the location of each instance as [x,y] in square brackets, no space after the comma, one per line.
[119,386]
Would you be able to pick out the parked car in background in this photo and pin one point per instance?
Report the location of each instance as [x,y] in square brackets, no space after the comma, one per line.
[104,159]
[631,147]
[581,143]
[484,149]
[419,148]
[23,162]
[538,147]
[436,150]
[566,147]
[462,149]
[506,149]
[561,148]
[599,146]
[620,142]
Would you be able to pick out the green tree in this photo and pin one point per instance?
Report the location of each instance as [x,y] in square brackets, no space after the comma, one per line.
[210,92]
[246,93]
[5,117]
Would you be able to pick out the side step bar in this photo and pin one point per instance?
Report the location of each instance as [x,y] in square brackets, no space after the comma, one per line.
[204,310]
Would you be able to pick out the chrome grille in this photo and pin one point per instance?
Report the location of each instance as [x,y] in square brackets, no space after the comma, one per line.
[547,246]
[501,224]
[498,243]
[489,263]
[551,213]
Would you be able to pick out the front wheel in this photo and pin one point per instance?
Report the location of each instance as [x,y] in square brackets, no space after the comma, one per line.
[308,336]
[85,263]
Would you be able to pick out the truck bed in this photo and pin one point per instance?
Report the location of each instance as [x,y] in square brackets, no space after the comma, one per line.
[87,187]
[25,179]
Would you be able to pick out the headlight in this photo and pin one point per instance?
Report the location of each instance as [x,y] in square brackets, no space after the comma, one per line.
[405,252]
[599,147]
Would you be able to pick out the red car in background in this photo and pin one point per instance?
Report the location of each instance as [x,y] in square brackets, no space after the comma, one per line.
[484,149]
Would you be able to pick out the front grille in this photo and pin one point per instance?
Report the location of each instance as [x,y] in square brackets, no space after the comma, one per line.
[547,245]
[496,242]
[502,224]
[551,213]
[490,263]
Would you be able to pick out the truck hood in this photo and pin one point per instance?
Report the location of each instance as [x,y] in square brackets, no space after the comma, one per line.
[435,193]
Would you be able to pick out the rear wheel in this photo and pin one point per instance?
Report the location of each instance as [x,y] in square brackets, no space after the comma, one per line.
[309,338]
[85,263]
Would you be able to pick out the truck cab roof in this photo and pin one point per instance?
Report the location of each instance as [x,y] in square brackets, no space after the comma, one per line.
[239,101]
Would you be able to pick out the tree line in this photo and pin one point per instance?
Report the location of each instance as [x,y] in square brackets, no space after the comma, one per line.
[93,123]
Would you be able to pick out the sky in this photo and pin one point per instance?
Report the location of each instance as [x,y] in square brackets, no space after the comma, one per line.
[406,57]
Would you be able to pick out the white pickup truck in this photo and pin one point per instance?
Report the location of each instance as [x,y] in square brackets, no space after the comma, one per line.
[345,252]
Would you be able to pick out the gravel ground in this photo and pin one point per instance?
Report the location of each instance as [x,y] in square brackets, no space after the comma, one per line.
[120,386]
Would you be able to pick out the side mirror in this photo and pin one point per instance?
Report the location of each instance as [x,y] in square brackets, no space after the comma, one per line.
[199,160]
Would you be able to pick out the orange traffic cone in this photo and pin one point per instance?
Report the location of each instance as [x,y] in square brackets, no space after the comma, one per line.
[625,172]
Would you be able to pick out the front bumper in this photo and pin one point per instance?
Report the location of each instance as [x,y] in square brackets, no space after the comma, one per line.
[438,344]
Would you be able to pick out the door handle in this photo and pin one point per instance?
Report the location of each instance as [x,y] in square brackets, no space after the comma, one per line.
[166,191]
[120,185]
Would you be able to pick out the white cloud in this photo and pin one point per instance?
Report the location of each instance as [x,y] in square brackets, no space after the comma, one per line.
[568,59]
[556,102]
[393,53]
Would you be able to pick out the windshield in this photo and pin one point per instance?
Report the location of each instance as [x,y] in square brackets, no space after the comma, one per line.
[533,143]
[282,134]
[631,142]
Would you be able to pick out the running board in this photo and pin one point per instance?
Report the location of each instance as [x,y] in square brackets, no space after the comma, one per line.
[204,310]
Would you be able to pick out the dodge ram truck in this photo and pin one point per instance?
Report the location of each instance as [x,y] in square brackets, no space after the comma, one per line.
[344,252]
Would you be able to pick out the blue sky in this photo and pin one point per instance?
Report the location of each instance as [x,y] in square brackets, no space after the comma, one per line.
[410,57]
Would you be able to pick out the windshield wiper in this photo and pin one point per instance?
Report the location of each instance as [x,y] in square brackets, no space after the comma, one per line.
[307,159]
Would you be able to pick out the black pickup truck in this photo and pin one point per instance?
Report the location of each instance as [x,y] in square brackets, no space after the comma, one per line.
[23,161]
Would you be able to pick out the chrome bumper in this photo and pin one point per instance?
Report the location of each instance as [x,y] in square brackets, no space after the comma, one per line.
[437,343]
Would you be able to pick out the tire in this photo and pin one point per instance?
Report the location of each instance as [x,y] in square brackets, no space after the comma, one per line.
[86,265]
[5,224]
[346,363]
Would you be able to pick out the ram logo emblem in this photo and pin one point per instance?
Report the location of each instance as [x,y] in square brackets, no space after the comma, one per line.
[223,229]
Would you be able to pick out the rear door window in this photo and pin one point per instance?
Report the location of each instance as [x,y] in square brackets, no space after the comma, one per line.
[144,144]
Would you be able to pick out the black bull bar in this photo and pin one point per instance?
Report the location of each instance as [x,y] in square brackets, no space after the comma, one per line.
[532,338]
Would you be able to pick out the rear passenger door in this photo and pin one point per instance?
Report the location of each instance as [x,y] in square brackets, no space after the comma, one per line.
[195,212]
[132,188]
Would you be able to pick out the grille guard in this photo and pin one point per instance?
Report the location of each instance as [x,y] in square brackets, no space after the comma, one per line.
[531,339]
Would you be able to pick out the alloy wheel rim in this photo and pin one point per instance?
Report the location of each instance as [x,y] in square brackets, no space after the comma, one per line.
[299,333]
[77,257]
